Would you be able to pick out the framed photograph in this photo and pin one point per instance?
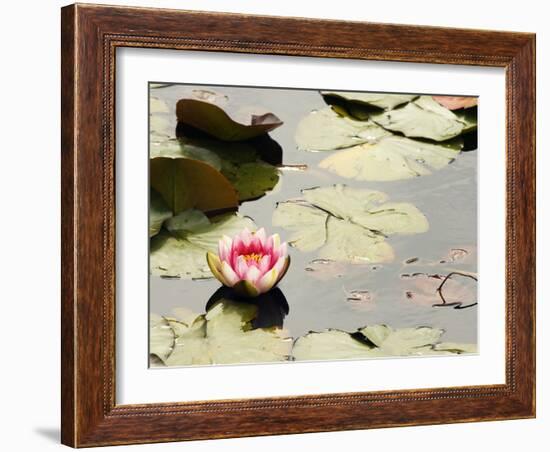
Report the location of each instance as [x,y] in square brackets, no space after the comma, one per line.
[282,225]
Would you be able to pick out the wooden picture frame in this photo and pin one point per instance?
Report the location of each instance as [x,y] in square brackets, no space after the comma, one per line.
[90,36]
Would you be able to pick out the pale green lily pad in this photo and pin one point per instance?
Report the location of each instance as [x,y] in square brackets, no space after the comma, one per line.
[330,344]
[213,120]
[375,341]
[224,335]
[422,118]
[384,101]
[191,220]
[347,224]
[326,130]
[161,337]
[160,127]
[157,106]
[158,213]
[391,158]
[181,253]
[403,341]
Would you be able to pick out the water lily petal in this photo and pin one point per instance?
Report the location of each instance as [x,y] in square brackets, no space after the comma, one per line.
[267,281]
[273,242]
[224,248]
[283,250]
[215,267]
[265,263]
[253,274]
[260,234]
[246,237]
[283,271]
[241,267]
[229,275]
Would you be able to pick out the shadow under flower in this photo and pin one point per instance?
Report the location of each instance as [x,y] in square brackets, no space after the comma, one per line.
[272,306]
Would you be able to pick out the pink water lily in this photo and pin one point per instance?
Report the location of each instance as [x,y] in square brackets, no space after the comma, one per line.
[251,263]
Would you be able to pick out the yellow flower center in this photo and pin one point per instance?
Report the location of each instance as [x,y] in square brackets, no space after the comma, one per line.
[252,257]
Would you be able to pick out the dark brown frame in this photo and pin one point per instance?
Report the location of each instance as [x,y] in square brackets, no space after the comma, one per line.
[90,36]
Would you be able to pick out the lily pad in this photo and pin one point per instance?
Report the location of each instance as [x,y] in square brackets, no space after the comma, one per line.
[374,342]
[456,102]
[175,148]
[330,344]
[422,118]
[239,162]
[380,100]
[403,341]
[456,289]
[158,213]
[161,338]
[213,120]
[251,180]
[469,117]
[326,130]
[347,224]
[180,251]
[186,184]
[391,158]
[225,335]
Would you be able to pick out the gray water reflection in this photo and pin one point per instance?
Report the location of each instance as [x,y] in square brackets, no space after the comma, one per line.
[448,198]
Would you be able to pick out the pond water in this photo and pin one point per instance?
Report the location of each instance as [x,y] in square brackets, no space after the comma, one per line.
[348,296]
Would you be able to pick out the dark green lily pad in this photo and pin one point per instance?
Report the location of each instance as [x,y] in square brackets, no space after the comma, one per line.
[385,101]
[239,162]
[187,184]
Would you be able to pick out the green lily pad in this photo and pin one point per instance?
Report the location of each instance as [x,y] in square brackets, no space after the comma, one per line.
[180,251]
[391,158]
[224,335]
[251,180]
[326,130]
[157,106]
[161,121]
[213,120]
[375,341]
[161,339]
[158,213]
[469,117]
[347,224]
[379,100]
[330,344]
[404,341]
[422,118]
[175,148]
[191,220]
[186,184]
[239,162]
